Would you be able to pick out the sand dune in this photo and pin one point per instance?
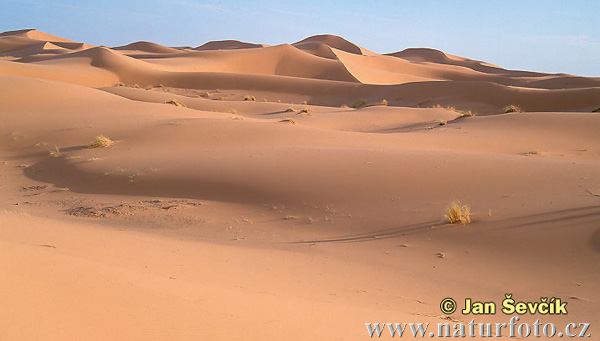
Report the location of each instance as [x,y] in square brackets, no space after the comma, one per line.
[255,191]
[144,46]
[228,45]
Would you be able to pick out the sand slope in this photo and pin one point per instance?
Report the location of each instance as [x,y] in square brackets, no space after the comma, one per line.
[260,205]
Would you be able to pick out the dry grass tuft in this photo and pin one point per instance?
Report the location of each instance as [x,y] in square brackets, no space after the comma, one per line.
[344,106]
[235,115]
[442,122]
[462,113]
[54,152]
[306,111]
[101,141]
[290,109]
[288,120]
[120,84]
[249,98]
[304,103]
[458,213]
[363,104]
[175,103]
[511,108]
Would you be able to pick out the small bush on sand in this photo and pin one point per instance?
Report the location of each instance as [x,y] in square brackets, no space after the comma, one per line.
[442,122]
[462,113]
[304,102]
[54,152]
[467,113]
[288,120]
[290,109]
[249,98]
[511,108]
[235,114]
[344,106]
[306,111]
[175,103]
[120,84]
[101,141]
[363,104]
[457,213]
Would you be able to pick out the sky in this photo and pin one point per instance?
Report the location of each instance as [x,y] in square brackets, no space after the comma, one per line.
[547,36]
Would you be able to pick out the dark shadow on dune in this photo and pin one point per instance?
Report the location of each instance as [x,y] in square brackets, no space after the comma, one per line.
[57,171]
[376,235]
[595,241]
[558,216]
[407,128]
[41,152]
[591,214]
[278,113]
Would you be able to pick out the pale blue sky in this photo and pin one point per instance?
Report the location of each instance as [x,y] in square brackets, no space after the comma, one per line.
[549,35]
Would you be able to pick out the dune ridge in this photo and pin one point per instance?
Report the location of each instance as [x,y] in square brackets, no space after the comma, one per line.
[298,189]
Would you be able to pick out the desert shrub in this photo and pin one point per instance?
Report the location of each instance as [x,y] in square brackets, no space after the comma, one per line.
[290,109]
[457,213]
[249,98]
[101,141]
[363,104]
[306,111]
[467,113]
[511,108]
[175,103]
[288,120]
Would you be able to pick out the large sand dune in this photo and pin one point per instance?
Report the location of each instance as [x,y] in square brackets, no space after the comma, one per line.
[237,214]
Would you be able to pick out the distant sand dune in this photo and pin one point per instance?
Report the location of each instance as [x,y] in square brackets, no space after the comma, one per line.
[295,191]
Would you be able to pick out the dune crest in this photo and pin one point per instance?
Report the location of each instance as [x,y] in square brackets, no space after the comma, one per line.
[245,191]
